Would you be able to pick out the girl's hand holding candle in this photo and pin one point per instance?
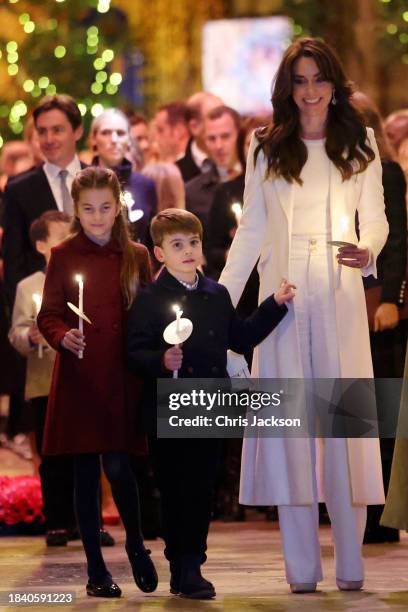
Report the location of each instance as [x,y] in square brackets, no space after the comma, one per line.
[80,282]
[74,339]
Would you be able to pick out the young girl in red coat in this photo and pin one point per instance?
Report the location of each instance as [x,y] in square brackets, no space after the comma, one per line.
[93,399]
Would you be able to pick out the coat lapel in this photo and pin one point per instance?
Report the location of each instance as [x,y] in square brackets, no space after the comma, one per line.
[285,193]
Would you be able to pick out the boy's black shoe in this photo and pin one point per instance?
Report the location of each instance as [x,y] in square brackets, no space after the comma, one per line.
[175,573]
[192,584]
[56,537]
[73,534]
[106,538]
[143,569]
[109,589]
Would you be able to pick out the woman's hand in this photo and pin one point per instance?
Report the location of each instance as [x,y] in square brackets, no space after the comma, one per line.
[353,257]
[386,317]
[74,341]
[285,293]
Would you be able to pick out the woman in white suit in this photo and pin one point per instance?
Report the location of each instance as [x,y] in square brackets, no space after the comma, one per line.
[307,175]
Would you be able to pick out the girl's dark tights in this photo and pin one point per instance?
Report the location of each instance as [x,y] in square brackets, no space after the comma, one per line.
[87,468]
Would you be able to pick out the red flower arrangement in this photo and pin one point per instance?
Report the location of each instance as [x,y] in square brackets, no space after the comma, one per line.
[20,500]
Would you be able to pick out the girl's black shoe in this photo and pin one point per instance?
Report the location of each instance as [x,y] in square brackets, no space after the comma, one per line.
[103,590]
[143,569]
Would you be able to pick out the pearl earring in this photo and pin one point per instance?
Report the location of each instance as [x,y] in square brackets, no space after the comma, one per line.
[334,100]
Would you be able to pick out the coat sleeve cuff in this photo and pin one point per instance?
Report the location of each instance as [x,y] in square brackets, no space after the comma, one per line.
[272,307]
[371,267]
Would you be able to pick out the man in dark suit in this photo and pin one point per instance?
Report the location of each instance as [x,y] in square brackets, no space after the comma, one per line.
[195,160]
[58,123]
[221,129]
[171,131]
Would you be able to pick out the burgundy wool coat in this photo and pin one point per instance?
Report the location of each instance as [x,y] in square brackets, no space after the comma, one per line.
[93,401]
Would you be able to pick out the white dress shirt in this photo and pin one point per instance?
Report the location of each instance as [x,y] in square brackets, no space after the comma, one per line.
[52,173]
[199,156]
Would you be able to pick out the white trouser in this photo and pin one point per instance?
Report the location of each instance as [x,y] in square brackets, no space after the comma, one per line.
[299,525]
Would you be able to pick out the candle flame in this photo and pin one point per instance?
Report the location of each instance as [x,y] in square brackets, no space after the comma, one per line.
[345,224]
[236,209]
[176,308]
[37,300]
[78,278]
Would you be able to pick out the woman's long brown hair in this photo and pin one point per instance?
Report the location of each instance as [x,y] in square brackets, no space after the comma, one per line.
[346,135]
[101,178]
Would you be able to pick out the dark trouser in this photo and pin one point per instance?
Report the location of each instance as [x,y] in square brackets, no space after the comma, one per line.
[186,471]
[57,476]
[125,494]
[388,353]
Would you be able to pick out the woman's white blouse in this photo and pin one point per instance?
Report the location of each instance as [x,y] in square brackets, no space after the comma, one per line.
[311,211]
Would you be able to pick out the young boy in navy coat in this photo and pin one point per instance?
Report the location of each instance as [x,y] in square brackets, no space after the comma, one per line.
[186,468]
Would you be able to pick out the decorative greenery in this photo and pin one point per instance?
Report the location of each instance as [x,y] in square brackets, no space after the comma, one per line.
[80,46]
[393,31]
[65,46]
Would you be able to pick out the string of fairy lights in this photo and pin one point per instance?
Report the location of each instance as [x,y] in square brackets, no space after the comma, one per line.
[90,46]
[43,56]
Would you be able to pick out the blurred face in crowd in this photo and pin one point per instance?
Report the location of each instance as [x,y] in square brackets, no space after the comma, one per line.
[111,141]
[311,92]
[56,137]
[140,133]
[397,130]
[220,136]
[206,102]
[171,139]
[57,232]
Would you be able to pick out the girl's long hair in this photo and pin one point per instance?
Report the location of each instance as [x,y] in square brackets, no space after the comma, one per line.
[100,178]
[346,135]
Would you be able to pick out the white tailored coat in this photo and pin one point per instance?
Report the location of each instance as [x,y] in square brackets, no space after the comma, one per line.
[278,471]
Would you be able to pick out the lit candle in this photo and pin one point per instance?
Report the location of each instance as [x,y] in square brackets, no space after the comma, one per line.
[178,331]
[178,312]
[80,282]
[237,210]
[345,225]
[37,302]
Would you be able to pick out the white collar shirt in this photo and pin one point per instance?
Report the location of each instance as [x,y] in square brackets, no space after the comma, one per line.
[52,173]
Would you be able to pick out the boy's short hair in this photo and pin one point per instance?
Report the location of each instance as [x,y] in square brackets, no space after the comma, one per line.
[173,220]
[39,229]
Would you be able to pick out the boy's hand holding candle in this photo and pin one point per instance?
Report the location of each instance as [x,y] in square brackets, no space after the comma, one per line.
[35,336]
[175,333]
[173,358]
